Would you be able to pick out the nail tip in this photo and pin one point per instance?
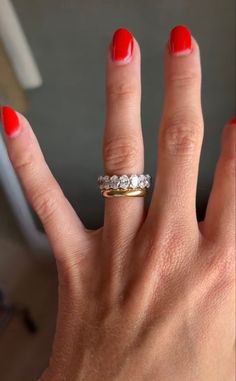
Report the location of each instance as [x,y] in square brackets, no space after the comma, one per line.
[181,27]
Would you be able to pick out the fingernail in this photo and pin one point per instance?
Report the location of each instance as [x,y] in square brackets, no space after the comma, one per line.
[122,46]
[10,121]
[233,120]
[180,42]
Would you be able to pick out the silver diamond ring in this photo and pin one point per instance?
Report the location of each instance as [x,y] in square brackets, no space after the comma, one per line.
[124,182]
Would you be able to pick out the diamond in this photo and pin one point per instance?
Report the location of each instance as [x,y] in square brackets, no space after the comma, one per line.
[100,182]
[134,181]
[106,182]
[148,181]
[124,182]
[114,182]
[142,181]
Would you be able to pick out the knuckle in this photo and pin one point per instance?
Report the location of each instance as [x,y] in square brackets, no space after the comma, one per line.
[229,263]
[121,89]
[184,79]
[23,162]
[174,251]
[224,264]
[45,204]
[120,154]
[171,248]
[181,135]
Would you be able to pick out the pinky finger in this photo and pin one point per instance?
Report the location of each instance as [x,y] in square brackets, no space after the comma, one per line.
[64,229]
[220,214]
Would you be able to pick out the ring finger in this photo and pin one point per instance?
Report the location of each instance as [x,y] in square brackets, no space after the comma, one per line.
[123,142]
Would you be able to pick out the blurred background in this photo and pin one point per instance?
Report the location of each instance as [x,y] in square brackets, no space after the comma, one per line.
[52,68]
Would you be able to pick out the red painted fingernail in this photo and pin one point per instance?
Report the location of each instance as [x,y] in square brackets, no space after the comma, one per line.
[122,46]
[180,42]
[233,120]
[10,121]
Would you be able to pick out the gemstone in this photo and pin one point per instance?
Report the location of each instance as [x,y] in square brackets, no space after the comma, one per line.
[100,182]
[106,182]
[148,181]
[124,182]
[134,181]
[142,181]
[114,182]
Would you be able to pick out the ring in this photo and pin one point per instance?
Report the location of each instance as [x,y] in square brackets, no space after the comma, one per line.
[124,192]
[124,186]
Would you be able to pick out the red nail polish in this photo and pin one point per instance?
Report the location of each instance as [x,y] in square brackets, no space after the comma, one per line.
[180,42]
[10,121]
[122,46]
[233,120]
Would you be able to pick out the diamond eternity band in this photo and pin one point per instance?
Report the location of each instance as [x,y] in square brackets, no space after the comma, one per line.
[124,182]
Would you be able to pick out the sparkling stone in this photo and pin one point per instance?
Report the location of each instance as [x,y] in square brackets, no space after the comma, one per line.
[134,181]
[100,182]
[114,182]
[142,181]
[106,182]
[148,181]
[124,182]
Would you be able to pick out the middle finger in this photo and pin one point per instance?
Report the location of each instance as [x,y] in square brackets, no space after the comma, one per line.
[181,134]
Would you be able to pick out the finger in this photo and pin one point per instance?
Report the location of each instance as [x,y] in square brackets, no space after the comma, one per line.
[220,215]
[41,188]
[181,133]
[123,142]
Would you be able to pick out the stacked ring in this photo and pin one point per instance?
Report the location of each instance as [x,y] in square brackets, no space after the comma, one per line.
[123,186]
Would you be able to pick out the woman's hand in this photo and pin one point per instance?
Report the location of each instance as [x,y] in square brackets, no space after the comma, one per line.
[150,295]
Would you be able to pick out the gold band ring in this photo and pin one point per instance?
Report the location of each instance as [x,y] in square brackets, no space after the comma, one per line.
[108,193]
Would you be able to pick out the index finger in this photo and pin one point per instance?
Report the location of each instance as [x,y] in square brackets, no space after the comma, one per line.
[41,188]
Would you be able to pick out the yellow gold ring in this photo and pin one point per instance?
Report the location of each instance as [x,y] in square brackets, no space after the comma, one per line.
[108,193]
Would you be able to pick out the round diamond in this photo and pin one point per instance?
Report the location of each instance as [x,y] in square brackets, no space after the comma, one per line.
[100,182]
[124,182]
[106,182]
[148,181]
[134,181]
[142,181]
[114,182]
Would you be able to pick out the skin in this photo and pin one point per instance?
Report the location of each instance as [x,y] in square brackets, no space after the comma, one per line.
[150,295]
